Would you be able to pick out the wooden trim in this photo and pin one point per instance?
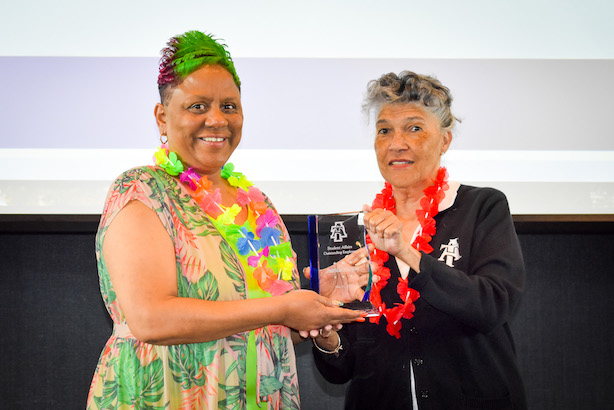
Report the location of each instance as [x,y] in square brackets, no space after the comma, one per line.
[31,223]
[565,218]
[550,224]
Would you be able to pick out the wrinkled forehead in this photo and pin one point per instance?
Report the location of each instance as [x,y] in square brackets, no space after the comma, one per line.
[400,109]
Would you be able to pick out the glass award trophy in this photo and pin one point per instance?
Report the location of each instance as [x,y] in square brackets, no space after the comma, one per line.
[331,238]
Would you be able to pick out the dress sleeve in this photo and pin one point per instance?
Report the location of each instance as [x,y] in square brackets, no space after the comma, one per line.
[488,293]
[136,184]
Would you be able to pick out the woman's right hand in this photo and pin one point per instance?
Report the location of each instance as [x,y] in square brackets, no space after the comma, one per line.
[386,232]
[305,310]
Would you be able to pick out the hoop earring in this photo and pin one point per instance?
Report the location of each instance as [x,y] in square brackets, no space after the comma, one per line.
[165,137]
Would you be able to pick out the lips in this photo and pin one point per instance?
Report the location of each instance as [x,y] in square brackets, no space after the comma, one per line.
[213,139]
[400,162]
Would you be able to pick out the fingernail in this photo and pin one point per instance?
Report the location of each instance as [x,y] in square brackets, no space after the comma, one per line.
[361,319]
[337,303]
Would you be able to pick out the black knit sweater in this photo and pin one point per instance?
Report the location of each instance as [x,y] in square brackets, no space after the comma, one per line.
[458,342]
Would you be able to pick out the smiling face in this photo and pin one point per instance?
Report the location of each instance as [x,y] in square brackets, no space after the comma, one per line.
[408,145]
[203,119]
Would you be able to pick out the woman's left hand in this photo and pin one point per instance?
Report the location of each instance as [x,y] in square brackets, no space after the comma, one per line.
[343,281]
[325,332]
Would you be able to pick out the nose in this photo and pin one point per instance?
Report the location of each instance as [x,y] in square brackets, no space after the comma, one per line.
[398,142]
[216,118]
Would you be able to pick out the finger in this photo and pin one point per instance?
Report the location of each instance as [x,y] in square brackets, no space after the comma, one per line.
[314,333]
[307,272]
[363,268]
[395,228]
[366,208]
[303,333]
[359,294]
[326,331]
[355,258]
[386,224]
[365,251]
[329,302]
[372,219]
[347,316]
[357,319]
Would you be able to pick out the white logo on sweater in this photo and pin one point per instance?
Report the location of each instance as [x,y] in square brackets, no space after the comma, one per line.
[450,252]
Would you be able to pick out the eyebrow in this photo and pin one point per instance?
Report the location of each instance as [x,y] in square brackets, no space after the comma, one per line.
[408,119]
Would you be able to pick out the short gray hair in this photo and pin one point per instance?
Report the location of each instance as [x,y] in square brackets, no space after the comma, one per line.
[407,88]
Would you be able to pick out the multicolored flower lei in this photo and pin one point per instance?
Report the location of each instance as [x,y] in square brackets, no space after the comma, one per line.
[261,246]
[429,204]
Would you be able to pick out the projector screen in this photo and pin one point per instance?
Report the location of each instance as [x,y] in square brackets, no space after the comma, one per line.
[531,83]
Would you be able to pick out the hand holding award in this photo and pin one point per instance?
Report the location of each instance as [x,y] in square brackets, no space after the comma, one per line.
[339,259]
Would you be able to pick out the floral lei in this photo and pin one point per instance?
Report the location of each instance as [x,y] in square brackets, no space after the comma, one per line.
[429,204]
[262,246]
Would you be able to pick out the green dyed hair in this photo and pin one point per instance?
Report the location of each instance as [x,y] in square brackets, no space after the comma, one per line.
[188,52]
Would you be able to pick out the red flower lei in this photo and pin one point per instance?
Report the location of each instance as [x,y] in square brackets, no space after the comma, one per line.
[433,195]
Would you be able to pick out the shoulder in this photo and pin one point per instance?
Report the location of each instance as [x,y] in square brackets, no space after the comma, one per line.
[147,178]
[481,204]
[146,184]
[469,191]
[141,173]
[476,196]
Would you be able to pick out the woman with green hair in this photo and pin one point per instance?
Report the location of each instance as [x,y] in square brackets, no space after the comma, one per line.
[195,264]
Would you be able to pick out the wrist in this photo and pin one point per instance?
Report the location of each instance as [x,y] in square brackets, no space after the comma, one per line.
[279,308]
[328,345]
[411,257]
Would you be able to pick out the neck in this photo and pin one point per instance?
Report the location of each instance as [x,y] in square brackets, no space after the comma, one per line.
[407,201]
[216,179]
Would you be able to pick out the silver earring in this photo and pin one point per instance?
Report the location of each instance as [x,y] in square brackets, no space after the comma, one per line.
[165,137]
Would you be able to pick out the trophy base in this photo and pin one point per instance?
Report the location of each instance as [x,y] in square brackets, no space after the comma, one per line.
[364,306]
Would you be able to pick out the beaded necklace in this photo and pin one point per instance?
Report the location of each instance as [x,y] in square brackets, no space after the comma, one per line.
[260,245]
[429,207]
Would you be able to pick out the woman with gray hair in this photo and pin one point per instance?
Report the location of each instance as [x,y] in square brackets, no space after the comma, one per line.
[450,272]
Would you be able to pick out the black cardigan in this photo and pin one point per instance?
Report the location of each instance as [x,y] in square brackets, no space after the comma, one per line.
[458,342]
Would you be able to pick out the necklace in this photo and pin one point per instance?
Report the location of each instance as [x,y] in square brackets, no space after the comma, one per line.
[258,244]
[429,207]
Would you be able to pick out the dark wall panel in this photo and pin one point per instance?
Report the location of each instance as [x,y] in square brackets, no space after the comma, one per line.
[564,332]
[54,323]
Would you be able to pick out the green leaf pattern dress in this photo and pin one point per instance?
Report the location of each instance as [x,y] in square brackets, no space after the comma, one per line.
[136,375]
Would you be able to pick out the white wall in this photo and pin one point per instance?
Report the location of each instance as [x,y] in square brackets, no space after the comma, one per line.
[532,81]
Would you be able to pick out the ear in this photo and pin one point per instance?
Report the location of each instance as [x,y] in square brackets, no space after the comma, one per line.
[160,114]
[447,140]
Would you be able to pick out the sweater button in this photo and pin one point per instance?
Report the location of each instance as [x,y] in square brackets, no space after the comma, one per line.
[424,394]
[413,330]
[418,362]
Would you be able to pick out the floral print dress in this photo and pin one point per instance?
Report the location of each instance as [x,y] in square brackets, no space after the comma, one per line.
[211,375]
